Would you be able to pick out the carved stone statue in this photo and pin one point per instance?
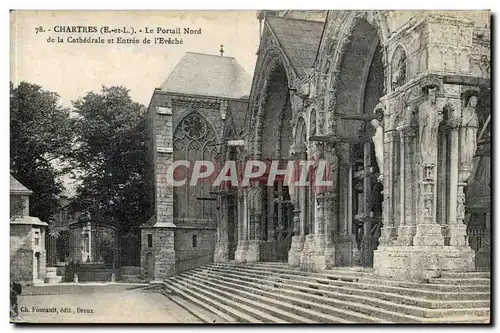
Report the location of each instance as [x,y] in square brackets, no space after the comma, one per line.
[334,165]
[469,133]
[378,141]
[399,69]
[428,120]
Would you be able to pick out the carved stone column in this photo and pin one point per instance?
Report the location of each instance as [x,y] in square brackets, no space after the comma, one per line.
[253,253]
[456,228]
[221,251]
[318,259]
[430,115]
[298,229]
[406,227]
[331,219]
[388,230]
[242,248]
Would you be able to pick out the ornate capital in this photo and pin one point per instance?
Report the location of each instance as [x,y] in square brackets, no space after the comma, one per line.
[408,130]
[454,123]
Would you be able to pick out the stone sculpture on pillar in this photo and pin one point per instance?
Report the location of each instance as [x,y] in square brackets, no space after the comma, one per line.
[468,135]
[429,118]
[378,141]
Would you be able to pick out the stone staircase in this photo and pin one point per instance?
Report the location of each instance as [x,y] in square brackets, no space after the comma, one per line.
[51,275]
[131,274]
[277,293]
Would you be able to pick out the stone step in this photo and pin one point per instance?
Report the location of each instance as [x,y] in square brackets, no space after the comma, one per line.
[352,294]
[461,281]
[300,299]
[53,279]
[289,309]
[245,306]
[131,278]
[199,312]
[342,271]
[404,284]
[226,312]
[325,280]
[462,275]
[384,309]
[259,311]
[51,271]
[459,320]
[130,270]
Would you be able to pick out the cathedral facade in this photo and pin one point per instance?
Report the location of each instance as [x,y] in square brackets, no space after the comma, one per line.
[397,103]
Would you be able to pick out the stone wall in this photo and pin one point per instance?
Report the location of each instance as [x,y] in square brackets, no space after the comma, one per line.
[189,256]
[172,249]
[23,252]
[162,262]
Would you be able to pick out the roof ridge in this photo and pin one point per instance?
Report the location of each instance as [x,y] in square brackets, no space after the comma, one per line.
[293,19]
[211,55]
[202,74]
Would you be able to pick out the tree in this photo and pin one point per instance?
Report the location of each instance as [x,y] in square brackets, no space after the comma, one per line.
[109,149]
[40,140]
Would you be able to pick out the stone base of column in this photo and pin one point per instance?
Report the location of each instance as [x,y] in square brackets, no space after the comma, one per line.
[253,252]
[405,235]
[356,255]
[295,250]
[316,258]
[458,234]
[418,263]
[428,235]
[305,255]
[241,251]
[329,255]
[387,235]
[343,251]
[221,252]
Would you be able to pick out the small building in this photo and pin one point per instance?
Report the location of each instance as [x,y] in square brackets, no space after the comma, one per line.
[27,237]
[200,106]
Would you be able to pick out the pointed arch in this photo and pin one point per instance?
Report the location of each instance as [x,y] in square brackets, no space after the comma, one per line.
[194,140]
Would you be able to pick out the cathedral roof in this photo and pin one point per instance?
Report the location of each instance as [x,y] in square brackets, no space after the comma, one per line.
[208,75]
[17,188]
[299,39]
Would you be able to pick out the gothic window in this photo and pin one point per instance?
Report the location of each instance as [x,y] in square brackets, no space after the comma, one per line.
[194,140]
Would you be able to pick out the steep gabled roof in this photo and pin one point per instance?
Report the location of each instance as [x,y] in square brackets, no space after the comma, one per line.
[299,40]
[238,110]
[17,188]
[208,75]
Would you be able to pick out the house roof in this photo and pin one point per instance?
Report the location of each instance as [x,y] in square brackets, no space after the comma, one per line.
[208,75]
[27,220]
[299,39]
[17,188]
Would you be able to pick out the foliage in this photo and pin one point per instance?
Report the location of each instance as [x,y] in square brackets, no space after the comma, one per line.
[109,150]
[40,139]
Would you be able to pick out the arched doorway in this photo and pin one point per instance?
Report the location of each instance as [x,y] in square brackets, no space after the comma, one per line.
[360,83]
[274,138]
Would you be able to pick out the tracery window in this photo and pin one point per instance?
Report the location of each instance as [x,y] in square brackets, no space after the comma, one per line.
[194,140]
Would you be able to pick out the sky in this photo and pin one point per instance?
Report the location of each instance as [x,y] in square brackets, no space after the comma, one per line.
[73,69]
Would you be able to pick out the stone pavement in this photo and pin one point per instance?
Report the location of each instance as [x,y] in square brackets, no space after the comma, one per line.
[99,303]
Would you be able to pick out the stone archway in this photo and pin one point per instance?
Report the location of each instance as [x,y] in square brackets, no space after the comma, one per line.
[271,220]
[275,140]
[357,80]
